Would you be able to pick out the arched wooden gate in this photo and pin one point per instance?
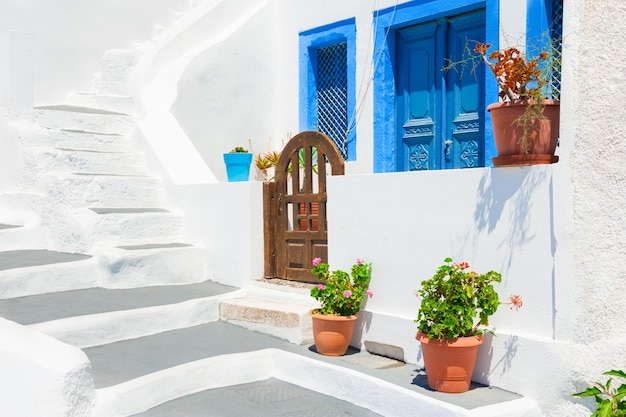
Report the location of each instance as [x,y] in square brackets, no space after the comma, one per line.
[295,206]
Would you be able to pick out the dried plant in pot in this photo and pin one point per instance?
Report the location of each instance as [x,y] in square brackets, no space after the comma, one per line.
[525,122]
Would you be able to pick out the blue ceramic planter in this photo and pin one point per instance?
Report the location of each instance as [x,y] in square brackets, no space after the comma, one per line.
[237,166]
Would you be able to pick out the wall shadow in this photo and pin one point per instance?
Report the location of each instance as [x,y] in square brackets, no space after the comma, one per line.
[510,189]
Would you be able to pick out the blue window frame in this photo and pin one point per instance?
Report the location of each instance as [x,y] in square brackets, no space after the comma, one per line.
[544,31]
[327,83]
[387,22]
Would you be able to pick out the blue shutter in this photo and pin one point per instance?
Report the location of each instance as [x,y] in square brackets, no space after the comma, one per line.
[465,139]
[418,98]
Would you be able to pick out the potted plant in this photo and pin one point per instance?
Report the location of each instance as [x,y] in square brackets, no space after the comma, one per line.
[455,303]
[610,399]
[341,296]
[266,162]
[525,123]
[238,162]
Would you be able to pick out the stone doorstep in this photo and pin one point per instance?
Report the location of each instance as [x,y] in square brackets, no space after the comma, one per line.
[288,321]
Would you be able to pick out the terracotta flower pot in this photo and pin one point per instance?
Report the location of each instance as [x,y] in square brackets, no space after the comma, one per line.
[332,334]
[542,137]
[449,362]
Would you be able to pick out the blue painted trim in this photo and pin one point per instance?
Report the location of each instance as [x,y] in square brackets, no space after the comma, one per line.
[538,18]
[387,21]
[492,14]
[310,41]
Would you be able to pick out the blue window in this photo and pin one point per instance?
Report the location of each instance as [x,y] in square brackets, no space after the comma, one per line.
[425,118]
[327,81]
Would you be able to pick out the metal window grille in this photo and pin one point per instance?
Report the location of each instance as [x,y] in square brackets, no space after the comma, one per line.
[332,94]
[556,34]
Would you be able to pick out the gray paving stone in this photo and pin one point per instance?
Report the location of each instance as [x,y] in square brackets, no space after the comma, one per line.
[36,257]
[54,306]
[269,398]
[122,361]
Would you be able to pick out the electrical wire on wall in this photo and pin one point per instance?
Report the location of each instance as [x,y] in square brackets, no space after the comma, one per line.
[369,78]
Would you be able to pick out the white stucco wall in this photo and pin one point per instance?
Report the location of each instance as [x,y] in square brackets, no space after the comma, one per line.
[48,377]
[10,162]
[495,219]
[245,90]
[227,220]
[69,37]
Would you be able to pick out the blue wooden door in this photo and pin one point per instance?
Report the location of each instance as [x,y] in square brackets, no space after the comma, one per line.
[440,114]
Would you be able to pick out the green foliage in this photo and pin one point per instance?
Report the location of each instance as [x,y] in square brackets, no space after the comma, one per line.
[239,149]
[610,400]
[340,293]
[456,301]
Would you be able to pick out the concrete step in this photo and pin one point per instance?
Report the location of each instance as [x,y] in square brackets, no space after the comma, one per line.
[133,266]
[85,162]
[278,311]
[110,102]
[84,119]
[34,135]
[99,190]
[20,221]
[19,236]
[134,376]
[96,316]
[39,271]
[108,226]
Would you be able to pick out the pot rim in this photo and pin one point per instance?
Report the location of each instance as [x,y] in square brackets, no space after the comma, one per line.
[517,103]
[461,340]
[329,317]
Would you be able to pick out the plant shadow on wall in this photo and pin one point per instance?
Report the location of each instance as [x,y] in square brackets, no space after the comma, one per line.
[485,360]
[512,189]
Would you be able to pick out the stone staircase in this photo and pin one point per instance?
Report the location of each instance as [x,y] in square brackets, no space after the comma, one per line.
[96,196]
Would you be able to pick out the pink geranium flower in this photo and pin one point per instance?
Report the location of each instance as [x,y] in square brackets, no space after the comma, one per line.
[321,287]
[370,293]
[347,293]
[317,261]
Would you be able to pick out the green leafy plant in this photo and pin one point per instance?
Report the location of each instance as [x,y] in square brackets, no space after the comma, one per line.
[457,301]
[239,149]
[610,399]
[340,293]
[266,161]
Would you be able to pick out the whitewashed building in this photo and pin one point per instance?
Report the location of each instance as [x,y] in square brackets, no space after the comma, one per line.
[201,77]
